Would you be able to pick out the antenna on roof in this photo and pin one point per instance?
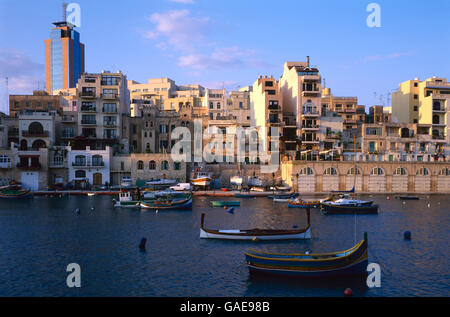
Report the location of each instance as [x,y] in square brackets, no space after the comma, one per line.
[324,83]
[64,14]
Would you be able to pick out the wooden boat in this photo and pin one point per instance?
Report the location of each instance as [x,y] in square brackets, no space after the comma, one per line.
[244,195]
[283,198]
[126,200]
[299,203]
[166,203]
[408,197]
[345,206]
[257,189]
[222,203]
[350,262]
[256,234]
[14,192]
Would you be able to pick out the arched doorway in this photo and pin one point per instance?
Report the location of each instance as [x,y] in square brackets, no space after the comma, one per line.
[97,179]
[38,144]
[35,128]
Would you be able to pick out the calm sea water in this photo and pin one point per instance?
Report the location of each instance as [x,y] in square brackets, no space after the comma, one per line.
[40,237]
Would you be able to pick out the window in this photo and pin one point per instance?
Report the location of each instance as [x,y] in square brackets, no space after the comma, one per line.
[218,105]
[444,172]
[140,165]
[423,171]
[330,171]
[110,80]
[211,105]
[110,107]
[80,174]
[163,128]
[352,171]
[122,166]
[306,171]
[271,92]
[164,165]
[152,165]
[176,166]
[400,171]
[415,108]
[269,83]
[377,171]
[416,97]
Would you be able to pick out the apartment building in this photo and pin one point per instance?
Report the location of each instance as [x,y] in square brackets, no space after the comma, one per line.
[345,107]
[300,87]
[103,102]
[38,101]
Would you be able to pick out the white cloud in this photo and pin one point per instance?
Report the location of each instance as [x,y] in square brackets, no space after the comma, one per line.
[379,57]
[178,29]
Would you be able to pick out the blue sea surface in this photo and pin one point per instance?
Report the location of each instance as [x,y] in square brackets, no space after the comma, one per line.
[40,237]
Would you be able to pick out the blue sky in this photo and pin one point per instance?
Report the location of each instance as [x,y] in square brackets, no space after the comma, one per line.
[230,43]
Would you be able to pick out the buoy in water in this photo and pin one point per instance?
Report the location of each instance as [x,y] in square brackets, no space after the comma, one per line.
[92,208]
[348,292]
[388,198]
[294,226]
[407,235]
[77,211]
[403,202]
[142,244]
[231,210]
[255,239]
[156,211]
[224,207]
[428,205]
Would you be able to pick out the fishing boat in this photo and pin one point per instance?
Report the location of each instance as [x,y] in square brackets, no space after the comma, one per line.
[161,183]
[408,197]
[300,203]
[236,180]
[347,206]
[255,234]
[14,191]
[167,203]
[225,203]
[126,200]
[350,262]
[202,179]
[257,189]
[254,181]
[283,198]
[283,187]
[244,195]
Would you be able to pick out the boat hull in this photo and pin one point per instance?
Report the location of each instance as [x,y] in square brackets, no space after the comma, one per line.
[131,204]
[205,181]
[185,204]
[223,203]
[364,209]
[244,195]
[22,195]
[238,235]
[304,204]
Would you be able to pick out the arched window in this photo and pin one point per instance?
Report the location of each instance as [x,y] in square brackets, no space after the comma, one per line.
[330,171]
[152,165]
[400,171]
[23,145]
[436,119]
[306,171]
[97,160]
[377,171]
[140,165]
[80,160]
[423,171]
[442,172]
[176,166]
[436,105]
[351,171]
[164,165]
[35,128]
[38,144]
[80,174]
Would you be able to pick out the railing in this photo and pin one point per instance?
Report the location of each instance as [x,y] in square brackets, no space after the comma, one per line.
[109,110]
[33,167]
[5,165]
[68,135]
[68,119]
[88,109]
[87,94]
[87,164]
[110,96]
[28,134]
[89,122]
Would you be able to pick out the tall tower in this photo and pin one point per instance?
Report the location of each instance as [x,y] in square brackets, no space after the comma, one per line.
[64,56]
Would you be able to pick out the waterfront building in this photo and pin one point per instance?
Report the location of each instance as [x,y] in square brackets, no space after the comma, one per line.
[379,114]
[88,167]
[238,106]
[64,57]
[103,102]
[146,166]
[371,177]
[266,103]
[427,104]
[38,101]
[345,107]
[300,87]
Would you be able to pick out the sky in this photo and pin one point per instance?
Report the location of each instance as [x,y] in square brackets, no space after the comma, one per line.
[218,43]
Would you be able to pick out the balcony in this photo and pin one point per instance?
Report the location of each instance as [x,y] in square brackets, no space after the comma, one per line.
[439,110]
[35,134]
[89,136]
[87,94]
[56,164]
[88,122]
[110,123]
[33,167]
[109,110]
[88,109]
[68,135]
[68,119]
[274,108]
[274,122]
[310,114]
[110,96]
[5,165]
[310,127]
[88,165]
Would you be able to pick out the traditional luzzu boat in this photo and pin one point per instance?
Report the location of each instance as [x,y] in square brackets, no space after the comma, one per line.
[126,200]
[300,203]
[283,198]
[351,262]
[256,234]
[14,192]
[168,203]
[349,206]
[223,203]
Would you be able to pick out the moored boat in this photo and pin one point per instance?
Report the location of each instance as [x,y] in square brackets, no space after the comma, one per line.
[255,234]
[126,200]
[244,195]
[408,197]
[300,203]
[223,203]
[236,180]
[167,203]
[350,262]
[202,179]
[14,191]
[330,208]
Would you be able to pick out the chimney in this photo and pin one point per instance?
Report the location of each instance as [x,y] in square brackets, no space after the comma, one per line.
[307,61]
[64,9]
